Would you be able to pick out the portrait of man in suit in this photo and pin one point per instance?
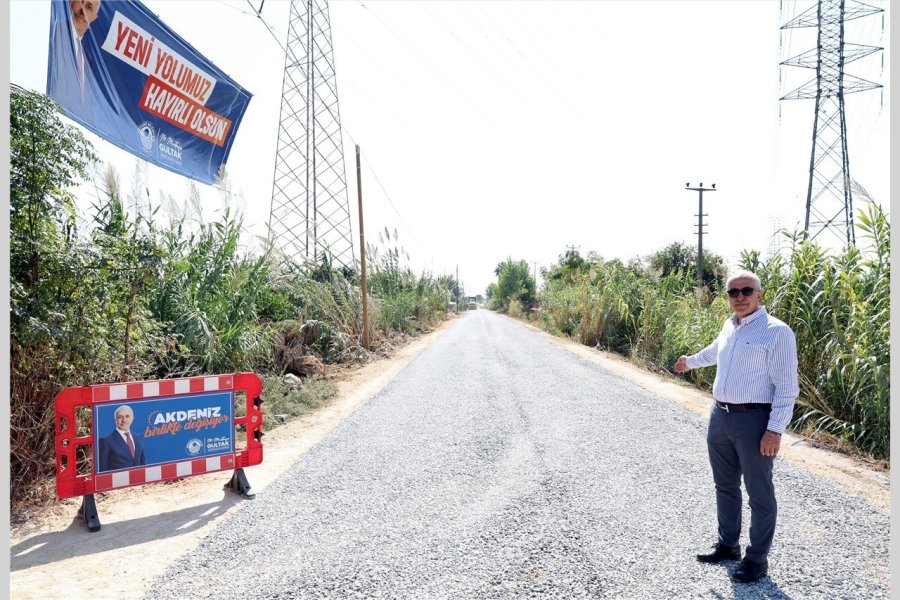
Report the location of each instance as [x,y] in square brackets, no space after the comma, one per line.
[73,50]
[121,449]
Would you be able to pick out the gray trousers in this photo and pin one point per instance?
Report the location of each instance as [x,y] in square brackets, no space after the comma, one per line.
[733,444]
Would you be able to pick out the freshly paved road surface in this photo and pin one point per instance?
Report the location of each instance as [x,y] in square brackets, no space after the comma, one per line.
[497,465]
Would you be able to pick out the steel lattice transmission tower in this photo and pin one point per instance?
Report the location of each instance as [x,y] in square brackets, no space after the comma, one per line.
[310,211]
[829,199]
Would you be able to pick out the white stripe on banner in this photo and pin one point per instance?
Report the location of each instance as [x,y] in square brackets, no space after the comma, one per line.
[182,386]
[210,384]
[183,468]
[214,463]
[151,389]
[152,473]
[120,479]
[118,392]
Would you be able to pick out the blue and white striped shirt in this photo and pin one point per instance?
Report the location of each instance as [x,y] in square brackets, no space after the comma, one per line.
[757,363]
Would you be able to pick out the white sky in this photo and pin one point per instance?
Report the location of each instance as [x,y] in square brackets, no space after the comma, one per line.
[518,128]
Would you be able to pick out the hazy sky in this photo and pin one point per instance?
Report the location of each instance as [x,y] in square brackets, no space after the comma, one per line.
[516,129]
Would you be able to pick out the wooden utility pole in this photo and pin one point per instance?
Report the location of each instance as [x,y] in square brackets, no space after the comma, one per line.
[362,256]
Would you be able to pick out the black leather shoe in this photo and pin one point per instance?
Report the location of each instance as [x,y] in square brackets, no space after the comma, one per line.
[750,570]
[720,553]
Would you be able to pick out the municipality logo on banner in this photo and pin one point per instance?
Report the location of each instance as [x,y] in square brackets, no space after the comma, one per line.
[123,74]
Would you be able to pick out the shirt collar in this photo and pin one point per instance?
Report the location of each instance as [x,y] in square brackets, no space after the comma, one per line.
[751,317]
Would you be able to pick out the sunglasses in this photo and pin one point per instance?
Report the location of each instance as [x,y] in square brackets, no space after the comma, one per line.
[747,291]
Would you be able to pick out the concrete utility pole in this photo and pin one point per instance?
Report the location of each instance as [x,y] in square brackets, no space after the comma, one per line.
[700,231]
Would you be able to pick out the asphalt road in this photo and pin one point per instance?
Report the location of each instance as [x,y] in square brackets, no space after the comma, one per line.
[497,465]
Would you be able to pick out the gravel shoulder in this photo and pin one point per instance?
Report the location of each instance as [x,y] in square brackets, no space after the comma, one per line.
[146,530]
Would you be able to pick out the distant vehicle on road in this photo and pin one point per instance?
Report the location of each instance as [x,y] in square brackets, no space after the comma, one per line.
[473,303]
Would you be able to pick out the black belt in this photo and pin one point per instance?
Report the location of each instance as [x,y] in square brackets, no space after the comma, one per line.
[730,408]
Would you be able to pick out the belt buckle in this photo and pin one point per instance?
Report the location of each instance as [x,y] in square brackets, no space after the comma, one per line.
[725,406]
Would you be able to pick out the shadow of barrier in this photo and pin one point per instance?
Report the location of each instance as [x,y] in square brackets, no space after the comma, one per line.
[120,435]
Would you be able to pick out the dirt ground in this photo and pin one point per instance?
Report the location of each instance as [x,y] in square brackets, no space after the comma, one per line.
[145,529]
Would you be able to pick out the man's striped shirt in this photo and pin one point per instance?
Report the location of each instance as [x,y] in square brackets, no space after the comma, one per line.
[757,363]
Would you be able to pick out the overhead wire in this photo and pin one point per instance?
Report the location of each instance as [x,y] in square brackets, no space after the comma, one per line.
[427,64]
[383,189]
[497,75]
[549,85]
[267,26]
[862,124]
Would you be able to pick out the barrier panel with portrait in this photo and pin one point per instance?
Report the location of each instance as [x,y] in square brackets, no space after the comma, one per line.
[126,434]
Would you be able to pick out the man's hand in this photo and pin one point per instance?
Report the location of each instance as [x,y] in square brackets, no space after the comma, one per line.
[770,443]
[681,365]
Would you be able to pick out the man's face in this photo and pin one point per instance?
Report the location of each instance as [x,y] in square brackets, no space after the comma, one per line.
[744,305]
[124,419]
[84,12]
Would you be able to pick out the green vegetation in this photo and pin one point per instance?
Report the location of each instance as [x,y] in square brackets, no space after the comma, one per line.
[127,299]
[515,287]
[837,305]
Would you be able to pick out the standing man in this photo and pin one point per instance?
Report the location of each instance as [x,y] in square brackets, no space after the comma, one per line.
[754,391]
[121,449]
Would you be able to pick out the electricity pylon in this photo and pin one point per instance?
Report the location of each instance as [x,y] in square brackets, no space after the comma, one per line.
[310,210]
[829,199]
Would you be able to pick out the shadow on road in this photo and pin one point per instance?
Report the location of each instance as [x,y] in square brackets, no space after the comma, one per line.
[764,589]
[75,540]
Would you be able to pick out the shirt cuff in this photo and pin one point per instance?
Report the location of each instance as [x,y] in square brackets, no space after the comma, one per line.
[775,427]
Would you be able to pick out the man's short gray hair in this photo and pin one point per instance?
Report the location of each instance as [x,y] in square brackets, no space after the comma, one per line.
[748,274]
[122,408]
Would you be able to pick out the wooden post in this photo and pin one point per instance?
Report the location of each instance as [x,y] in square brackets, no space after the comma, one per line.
[362,256]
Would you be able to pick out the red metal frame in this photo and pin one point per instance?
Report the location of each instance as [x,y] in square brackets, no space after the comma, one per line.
[69,483]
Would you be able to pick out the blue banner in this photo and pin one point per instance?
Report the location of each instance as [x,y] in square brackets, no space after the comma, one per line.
[156,431]
[120,72]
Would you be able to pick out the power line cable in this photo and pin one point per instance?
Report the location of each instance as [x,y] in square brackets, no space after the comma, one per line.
[268,27]
[429,65]
[496,75]
[550,85]
[385,192]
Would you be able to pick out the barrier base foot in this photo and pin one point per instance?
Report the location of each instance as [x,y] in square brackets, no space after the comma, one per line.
[239,484]
[88,512]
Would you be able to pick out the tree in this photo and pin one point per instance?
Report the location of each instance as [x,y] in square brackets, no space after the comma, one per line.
[681,258]
[514,282]
[46,158]
[569,266]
